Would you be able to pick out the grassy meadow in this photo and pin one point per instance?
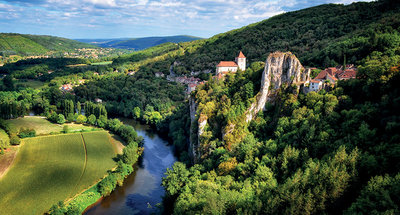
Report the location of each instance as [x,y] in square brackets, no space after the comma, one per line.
[53,168]
[101,63]
[42,125]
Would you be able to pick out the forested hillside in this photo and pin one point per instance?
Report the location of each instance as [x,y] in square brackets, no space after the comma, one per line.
[333,152]
[138,43]
[26,44]
[320,36]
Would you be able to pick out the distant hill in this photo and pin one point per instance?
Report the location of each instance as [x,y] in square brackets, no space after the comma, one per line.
[137,43]
[26,44]
[319,36]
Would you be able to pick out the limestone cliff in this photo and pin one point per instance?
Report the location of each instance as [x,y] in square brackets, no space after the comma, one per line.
[197,125]
[280,69]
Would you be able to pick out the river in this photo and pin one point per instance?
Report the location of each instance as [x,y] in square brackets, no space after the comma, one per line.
[142,190]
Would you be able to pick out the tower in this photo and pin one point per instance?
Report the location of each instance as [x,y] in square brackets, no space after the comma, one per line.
[241,61]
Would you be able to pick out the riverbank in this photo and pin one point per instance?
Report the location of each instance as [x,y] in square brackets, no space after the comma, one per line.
[141,192]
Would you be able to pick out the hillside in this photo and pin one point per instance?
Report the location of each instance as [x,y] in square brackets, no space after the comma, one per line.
[26,44]
[335,151]
[138,43]
[319,36]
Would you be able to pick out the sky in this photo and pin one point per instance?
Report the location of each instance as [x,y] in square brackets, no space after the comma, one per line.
[78,19]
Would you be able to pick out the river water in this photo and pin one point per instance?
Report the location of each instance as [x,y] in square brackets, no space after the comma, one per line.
[142,190]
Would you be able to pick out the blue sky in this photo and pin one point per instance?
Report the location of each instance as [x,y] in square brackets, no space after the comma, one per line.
[140,18]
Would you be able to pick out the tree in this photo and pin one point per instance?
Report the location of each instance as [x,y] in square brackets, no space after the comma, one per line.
[136,113]
[70,117]
[65,129]
[81,119]
[130,153]
[92,119]
[8,83]
[78,107]
[60,119]
[102,121]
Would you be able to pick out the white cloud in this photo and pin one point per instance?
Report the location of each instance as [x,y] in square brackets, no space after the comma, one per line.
[146,17]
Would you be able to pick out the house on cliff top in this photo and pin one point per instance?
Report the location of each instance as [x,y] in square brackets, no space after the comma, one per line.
[225,67]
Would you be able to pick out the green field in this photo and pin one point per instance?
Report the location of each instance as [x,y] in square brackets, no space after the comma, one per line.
[49,169]
[30,83]
[42,126]
[102,63]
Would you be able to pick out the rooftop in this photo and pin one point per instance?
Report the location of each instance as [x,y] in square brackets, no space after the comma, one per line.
[227,64]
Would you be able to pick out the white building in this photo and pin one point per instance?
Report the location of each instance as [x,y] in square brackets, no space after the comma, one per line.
[315,85]
[226,67]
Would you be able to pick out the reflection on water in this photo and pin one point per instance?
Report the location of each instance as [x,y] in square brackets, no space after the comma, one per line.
[142,190]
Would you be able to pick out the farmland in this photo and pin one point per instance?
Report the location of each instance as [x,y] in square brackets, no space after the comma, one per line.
[53,168]
[102,63]
[42,126]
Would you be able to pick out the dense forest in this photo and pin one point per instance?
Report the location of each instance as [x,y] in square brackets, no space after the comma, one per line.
[317,153]
[320,36]
[26,44]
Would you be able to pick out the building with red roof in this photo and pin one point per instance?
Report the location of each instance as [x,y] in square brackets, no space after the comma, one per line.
[225,67]
[347,74]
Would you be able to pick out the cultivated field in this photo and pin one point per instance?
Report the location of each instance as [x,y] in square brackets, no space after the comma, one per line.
[49,169]
[42,126]
[102,63]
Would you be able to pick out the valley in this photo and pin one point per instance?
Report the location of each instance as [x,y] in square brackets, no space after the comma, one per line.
[294,114]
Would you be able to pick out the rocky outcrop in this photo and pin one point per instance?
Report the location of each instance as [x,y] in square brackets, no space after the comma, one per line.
[197,125]
[281,68]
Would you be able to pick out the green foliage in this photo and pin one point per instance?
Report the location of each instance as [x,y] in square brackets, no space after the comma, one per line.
[92,119]
[305,154]
[81,119]
[27,132]
[130,153]
[14,140]
[380,196]
[65,129]
[26,44]
[60,119]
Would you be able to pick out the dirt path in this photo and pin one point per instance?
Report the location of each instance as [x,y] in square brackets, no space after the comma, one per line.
[7,160]
[84,165]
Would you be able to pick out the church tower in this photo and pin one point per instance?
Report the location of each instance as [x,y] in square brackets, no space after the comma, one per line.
[241,61]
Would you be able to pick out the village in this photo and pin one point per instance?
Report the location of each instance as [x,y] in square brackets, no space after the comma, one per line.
[326,79]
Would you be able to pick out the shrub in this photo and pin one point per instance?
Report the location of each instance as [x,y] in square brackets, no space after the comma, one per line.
[65,129]
[60,119]
[92,119]
[107,185]
[15,140]
[27,132]
[81,119]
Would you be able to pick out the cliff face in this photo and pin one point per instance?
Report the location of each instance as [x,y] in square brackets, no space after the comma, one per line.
[197,125]
[280,68]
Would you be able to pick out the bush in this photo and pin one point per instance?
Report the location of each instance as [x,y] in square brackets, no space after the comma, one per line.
[27,132]
[15,140]
[92,119]
[81,119]
[107,185]
[65,129]
[60,119]
[130,153]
